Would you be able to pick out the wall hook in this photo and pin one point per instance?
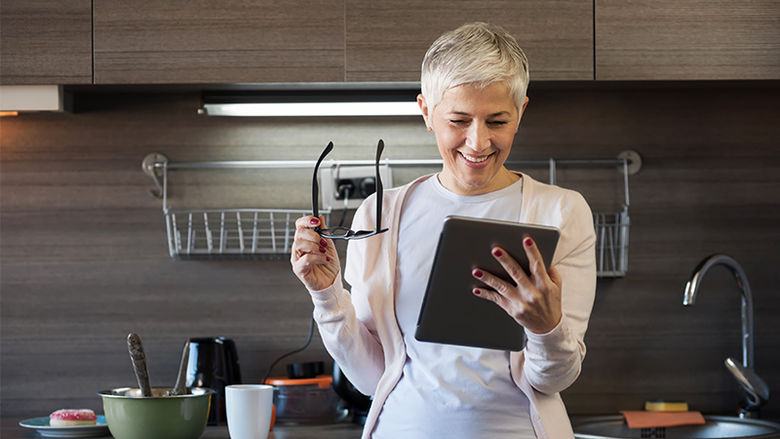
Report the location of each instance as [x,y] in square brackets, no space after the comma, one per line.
[154,165]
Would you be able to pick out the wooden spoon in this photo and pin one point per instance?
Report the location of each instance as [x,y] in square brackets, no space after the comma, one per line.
[138,357]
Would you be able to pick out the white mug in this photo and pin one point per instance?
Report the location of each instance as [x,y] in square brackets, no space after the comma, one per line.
[249,410]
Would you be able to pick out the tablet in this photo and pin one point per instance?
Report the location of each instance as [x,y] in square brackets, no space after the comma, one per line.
[450,312]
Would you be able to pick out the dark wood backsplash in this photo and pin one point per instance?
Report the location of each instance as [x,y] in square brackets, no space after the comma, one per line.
[84,259]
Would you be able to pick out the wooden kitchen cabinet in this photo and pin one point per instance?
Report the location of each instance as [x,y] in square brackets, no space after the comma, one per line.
[184,41]
[687,40]
[386,41]
[45,42]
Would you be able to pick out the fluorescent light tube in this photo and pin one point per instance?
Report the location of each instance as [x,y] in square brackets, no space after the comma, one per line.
[313,109]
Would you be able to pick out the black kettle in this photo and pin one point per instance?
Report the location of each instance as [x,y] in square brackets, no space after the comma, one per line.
[358,402]
[213,363]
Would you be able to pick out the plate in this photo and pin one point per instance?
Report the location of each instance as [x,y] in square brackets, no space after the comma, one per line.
[41,425]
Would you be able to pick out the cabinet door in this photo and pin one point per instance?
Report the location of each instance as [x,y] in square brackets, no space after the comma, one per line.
[45,42]
[687,40]
[185,41]
[386,41]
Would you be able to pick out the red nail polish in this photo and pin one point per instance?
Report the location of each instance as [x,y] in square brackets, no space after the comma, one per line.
[315,221]
[322,250]
[327,258]
[497,253]
[528,242]
[323,243]
[477,273]
[476,291]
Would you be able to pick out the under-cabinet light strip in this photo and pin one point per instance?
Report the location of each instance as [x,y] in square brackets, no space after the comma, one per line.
[313,109]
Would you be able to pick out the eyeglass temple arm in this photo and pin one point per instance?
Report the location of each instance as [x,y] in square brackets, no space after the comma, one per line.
[315,188]
[379,148]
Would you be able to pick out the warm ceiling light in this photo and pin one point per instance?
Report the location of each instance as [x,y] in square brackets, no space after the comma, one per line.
[8,113]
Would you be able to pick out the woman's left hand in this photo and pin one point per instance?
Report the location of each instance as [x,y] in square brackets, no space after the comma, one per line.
[535,302]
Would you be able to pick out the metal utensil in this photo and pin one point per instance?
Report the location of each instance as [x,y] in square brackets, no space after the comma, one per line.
[138,357]
[179,388]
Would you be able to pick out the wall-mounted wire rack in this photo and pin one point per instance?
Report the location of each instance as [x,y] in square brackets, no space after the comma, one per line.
[260,232]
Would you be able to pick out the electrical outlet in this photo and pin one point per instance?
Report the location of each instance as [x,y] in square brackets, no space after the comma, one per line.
[353,183]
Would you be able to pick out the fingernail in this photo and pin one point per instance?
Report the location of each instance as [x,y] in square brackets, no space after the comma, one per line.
[322,250]
[323,243]
[315,221]
[477,292]
[477,273]
[498,253]
[528,242]
[327,258]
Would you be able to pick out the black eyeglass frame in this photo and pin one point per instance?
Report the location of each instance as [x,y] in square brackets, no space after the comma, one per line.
[345,232]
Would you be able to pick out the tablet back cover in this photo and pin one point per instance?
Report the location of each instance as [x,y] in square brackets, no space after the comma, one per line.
[451,313]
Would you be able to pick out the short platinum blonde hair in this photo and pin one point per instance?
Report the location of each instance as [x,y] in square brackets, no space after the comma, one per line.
[475,53]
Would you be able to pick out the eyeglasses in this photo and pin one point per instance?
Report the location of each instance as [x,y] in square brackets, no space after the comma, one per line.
[344,232]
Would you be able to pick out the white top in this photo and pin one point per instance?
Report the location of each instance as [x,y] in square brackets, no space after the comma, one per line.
[446,390]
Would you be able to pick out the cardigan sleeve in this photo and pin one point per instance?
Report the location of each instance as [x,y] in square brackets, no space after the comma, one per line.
[345,320]
[553,360]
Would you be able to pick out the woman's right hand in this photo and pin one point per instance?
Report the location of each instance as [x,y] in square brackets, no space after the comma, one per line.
[313,258]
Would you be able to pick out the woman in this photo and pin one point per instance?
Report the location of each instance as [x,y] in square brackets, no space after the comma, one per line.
[474,81]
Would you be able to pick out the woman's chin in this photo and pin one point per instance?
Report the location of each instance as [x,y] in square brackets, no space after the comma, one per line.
[468,181]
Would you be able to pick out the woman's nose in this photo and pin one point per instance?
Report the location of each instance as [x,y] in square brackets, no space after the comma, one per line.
[478,137]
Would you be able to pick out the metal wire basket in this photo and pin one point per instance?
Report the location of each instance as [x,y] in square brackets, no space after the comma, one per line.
[612,242]
[260,233]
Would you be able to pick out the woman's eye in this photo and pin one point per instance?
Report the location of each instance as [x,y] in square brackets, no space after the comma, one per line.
[497,122]
[457,121]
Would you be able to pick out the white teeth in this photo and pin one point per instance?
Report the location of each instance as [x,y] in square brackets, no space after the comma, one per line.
[475,159]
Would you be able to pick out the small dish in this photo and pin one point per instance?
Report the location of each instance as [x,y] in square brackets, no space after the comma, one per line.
[41,425]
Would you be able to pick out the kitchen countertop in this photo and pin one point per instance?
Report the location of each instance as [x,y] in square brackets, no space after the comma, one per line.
[10,429]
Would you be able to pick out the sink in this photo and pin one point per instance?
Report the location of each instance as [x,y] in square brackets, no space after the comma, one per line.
[614,427]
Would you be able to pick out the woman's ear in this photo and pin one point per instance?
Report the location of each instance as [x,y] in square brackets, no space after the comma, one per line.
[424,110]
[522,110]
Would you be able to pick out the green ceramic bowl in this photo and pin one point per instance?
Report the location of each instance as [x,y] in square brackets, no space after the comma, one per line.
[131,416]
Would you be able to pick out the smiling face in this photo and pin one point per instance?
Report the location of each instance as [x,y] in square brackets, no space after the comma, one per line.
[474,128]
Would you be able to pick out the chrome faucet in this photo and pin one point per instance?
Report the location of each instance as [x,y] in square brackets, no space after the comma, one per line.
[756,389]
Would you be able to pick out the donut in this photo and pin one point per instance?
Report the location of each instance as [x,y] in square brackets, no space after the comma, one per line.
[69,417]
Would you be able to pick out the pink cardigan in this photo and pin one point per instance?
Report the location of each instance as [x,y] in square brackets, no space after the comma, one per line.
[361,333]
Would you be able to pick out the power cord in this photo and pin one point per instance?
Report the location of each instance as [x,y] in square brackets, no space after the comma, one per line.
[283,356]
